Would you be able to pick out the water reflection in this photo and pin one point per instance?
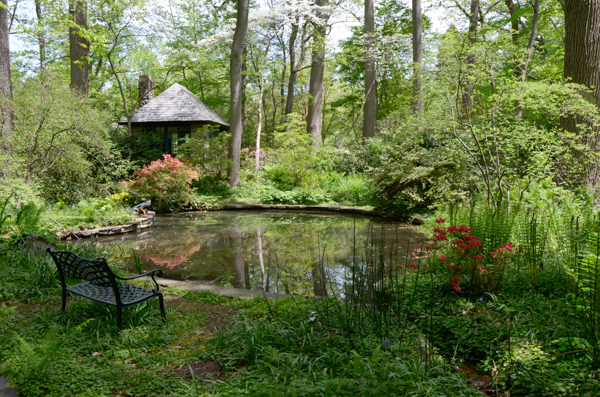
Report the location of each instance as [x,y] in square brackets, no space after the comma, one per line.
[281,252]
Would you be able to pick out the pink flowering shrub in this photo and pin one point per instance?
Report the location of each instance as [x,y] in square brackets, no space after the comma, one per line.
[456,256]
[166,182]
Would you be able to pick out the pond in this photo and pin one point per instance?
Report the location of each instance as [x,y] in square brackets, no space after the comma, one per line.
[280,251]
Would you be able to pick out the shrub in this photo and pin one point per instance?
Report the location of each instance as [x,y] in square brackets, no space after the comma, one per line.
[296,155]
[62,149]
[456,253]
[299,197]
[166,182]
[355,189]
[207,150]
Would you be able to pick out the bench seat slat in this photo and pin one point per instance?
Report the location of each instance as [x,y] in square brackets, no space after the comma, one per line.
[130,294]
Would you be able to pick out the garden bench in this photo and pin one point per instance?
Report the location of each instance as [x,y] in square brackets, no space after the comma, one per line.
[102,284]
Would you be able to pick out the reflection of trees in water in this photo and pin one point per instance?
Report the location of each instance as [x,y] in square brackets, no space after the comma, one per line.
[239,266]
[290,259]
[166,253]
[298,255]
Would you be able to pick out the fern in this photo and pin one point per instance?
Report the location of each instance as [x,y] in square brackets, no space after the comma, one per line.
[32,360]
[28,218]
[3,216]
[588,292]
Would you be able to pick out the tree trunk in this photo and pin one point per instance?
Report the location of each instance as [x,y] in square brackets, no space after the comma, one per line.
[521,69]
[295,66]
[473,20]
[40,35]
[79,48]
[514,20]
[289,103]
[582,65]
[370,72]
[258,128]
[317,71]
[5,80]
[261,83]
[417,57]
[236,95]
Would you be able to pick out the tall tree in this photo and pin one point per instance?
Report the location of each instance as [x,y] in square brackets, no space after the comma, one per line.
[5,81]
[582,63]
[522,65]
[259,70]
[317,71]
[295,66]
[79,47]
[370,73]
[236,95]
[417,37]
[41,36]
[474,15]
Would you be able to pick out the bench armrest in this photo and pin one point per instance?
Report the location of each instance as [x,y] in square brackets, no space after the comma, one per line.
[151,273]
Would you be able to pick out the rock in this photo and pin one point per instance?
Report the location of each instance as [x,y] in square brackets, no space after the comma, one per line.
[5,389]
[136,209]
[418,221]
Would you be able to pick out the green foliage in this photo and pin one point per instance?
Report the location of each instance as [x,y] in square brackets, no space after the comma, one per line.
[88,214]
[31,362]
[207,151]
[4,216]
[353,189]
[588,288]
[60,148]
[300,197]
[292,355]
[212,185]
[360,157]
[415,170]
[96,208]
[296,155]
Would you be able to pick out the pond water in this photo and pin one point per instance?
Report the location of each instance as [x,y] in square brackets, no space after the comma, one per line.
[280,251]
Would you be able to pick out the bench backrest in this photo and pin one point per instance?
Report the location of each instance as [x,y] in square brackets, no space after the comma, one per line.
[96,271]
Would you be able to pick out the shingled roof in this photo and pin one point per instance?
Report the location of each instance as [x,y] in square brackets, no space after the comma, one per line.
[175,104]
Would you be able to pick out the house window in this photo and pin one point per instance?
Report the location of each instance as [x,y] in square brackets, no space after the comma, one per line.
[169,138]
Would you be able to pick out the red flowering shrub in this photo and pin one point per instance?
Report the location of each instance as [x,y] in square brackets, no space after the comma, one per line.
[458,256]
[166,182]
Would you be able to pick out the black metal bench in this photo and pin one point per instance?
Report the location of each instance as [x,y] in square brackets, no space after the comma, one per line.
[102,284]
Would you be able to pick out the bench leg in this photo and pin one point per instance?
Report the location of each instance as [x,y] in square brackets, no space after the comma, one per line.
[119,317]
[162,307]
[64,300]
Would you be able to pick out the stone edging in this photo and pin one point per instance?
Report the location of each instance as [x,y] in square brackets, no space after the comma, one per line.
[233,292]
[130,226]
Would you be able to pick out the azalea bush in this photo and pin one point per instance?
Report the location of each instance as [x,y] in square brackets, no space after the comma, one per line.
[166,182]
[458,256]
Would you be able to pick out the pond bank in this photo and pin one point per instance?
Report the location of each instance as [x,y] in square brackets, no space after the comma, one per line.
[323,208]
[130,226]
[231,292]
[143,223]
